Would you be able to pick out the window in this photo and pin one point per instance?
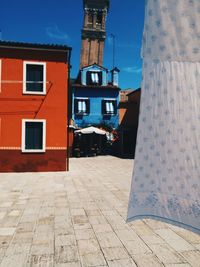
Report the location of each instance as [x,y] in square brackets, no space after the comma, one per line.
[99,18]
[33,135]
[81,106]
[90,19]
[94,78]
[109,107]
[34,81]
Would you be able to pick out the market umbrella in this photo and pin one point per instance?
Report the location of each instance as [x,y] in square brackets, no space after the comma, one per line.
[90,130]
[166,179]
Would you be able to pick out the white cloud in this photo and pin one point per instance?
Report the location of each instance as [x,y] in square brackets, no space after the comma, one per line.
[55,33]
[133,69]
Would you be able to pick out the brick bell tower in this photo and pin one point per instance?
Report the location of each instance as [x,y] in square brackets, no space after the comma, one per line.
[94,31]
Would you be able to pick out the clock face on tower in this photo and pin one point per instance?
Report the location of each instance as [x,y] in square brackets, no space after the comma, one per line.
[93,32]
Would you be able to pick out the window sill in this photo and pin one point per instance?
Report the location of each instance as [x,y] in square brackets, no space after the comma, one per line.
[33,150]
[33,93]
[81,114]
[107,114]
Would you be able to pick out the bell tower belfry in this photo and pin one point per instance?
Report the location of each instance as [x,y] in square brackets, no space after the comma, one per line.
[94,32]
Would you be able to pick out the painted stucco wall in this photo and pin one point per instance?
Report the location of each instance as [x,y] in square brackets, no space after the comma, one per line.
[96,95]
[15,106]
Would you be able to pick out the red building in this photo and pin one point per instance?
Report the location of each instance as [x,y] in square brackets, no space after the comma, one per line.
[33,107]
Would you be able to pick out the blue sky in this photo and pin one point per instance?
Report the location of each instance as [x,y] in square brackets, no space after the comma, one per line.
[51,21]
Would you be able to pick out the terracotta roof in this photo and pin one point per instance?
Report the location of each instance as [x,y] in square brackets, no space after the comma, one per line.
[134,91]
[125,94]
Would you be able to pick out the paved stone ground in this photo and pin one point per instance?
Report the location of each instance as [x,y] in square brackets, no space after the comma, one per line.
[78,219]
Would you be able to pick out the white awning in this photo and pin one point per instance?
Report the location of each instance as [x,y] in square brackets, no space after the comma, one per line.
[90,130]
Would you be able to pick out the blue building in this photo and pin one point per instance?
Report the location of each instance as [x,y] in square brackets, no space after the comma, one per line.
[95,97]
[95,92]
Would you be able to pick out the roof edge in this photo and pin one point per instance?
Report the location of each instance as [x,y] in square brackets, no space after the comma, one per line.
[134,91]
[34,46]
[94,64]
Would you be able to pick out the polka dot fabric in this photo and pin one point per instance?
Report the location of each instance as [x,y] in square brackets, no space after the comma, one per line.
[172,30]
[166,178]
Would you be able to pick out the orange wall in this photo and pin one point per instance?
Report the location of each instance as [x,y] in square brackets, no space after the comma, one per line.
[122,112]
[15,106]
[129,110]
[129,113]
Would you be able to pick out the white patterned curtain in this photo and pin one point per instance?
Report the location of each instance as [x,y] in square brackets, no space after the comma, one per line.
[166,178]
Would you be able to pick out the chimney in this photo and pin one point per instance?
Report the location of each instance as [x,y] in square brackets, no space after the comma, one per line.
[115,76]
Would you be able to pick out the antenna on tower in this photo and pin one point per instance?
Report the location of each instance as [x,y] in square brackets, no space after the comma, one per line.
[113,38]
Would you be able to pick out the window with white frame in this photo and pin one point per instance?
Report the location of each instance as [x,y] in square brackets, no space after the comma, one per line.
[33,135]
[34,80]
[94,78]
[109,106]
[82,106]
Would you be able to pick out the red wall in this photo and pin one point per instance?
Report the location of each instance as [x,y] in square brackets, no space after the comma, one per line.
[15,106]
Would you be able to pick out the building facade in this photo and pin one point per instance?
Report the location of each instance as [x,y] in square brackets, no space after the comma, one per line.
[95,92]
[95,99]
[128,118]
[33,107]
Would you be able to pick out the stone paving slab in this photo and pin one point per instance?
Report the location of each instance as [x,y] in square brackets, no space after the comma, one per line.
[78,219]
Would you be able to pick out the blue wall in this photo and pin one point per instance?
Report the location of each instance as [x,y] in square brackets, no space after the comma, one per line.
[96,95]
